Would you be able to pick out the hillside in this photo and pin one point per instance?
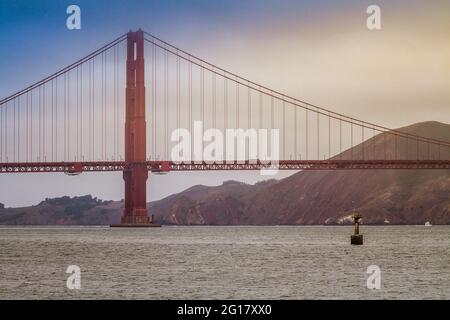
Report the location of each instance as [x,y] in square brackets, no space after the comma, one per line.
[328,197]
[84,210]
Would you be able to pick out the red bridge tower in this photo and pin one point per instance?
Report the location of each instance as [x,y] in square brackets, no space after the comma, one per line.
[135,173]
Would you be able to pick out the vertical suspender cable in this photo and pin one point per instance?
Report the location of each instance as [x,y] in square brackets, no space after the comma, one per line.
[14,130]
[214,99]
[115,103]
[56,119]
[78,113]
[202,95]
[81,113]
[178,97]
[43,124]
[190,105]
[329,136]
[395,139]
[306,135]
[65,117]
[225,103]
[105,124]
[40,125]
[362,142]
[284,129]
[295,134]
[1,133]
[53,128]
[105,114]
[318,137]
[237,105]
[26,128]
[6,132]
[103,105]
[272,113]
[373,143]
[31,125]
[166,104]
[351,140]
[154,122]
[91,107]
[68,115]
[6,123]
[417,148]
[340,138]
[407,148]
[260,109]
[249,114]
[249,107]
[18,128]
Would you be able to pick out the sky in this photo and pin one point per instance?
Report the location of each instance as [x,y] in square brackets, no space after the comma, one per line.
[318,51]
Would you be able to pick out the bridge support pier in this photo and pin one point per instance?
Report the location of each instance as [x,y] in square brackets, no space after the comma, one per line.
[135,173]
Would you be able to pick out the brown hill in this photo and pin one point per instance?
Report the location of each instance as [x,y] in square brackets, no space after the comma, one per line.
[84,210]
[328,197]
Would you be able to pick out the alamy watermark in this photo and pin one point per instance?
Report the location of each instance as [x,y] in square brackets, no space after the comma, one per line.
[74,280]
[373,21]
[212,146]
[374,278]
[73,21]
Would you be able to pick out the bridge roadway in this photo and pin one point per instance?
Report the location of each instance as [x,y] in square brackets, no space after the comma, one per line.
[167,166]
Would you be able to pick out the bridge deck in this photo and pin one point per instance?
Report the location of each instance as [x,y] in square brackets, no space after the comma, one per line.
[167,166]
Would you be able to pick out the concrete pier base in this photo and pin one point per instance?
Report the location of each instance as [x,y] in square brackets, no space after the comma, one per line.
[142,221]
[135,225]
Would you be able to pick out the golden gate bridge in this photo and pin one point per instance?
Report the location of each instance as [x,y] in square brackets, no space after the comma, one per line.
[80,119]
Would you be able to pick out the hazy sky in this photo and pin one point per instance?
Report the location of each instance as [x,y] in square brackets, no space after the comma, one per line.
[319,51]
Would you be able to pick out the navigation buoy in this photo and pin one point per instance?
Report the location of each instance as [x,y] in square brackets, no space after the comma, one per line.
[356,238]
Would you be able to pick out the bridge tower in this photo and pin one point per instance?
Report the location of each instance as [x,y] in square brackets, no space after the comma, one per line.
[135,173]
